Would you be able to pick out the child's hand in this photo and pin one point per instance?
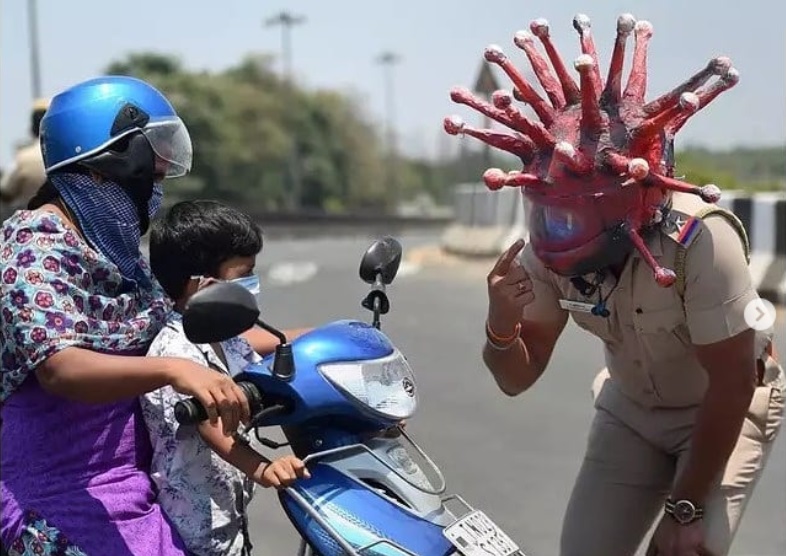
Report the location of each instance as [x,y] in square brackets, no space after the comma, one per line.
[282,472]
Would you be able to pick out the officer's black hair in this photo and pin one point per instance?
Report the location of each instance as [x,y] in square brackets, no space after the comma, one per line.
[195,238]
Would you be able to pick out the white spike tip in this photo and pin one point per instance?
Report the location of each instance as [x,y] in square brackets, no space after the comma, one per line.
[638,168]
[643,28]
[540,28]
[454,125]
[522,38]
[583,62]
[732,76]
[689,101]
[582,23]
[494,53]
[710,193]
[565,148]
[720,65]
[625,24]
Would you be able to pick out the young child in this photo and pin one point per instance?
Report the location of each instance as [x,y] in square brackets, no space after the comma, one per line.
[204,476]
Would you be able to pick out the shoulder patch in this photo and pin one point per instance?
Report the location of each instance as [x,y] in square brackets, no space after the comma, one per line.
[682,228]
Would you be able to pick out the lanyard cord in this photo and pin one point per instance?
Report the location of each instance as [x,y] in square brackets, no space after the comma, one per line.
[600,309]
[588,289]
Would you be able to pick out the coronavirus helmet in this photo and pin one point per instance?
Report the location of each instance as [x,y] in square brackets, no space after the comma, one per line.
[598,166]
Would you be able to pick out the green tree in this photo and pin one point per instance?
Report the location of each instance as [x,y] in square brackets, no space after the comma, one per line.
[243,123]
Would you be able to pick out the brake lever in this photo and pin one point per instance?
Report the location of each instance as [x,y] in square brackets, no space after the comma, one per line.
[272,444]
[242,436]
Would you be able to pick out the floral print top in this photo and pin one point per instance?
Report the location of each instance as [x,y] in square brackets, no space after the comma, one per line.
[203,495]
[57,292]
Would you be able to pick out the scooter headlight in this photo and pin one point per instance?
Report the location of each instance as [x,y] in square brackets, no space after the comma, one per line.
[386,385]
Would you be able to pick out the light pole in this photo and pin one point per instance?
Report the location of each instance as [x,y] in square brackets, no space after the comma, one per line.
[287,20]
[387,60]
[35,65]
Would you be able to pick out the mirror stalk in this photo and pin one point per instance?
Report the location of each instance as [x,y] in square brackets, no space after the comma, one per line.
[282,339]
[284,359]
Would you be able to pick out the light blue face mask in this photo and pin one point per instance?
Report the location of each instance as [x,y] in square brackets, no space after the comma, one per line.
[251,283]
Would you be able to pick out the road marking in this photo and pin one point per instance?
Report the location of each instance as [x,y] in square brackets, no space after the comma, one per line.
[759,314]
[295,272]
[292,272]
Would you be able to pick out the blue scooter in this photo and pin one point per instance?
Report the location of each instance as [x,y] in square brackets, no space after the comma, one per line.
[339,393]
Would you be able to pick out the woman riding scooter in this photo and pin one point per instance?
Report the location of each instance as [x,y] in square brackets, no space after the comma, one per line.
[79,305]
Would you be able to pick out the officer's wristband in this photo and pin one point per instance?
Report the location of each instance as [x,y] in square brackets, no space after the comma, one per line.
[501,343]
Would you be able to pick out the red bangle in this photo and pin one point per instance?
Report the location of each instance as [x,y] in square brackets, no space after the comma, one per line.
[497,340]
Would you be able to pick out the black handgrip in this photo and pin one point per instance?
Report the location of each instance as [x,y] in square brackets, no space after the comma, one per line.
[191,411]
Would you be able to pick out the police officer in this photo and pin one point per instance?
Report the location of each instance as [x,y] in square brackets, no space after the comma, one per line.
[691,399]
[26,175]
[689,404]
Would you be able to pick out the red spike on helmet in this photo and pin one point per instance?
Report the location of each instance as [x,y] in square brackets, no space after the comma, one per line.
[599,158]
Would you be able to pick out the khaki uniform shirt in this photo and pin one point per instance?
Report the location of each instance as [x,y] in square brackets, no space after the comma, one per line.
[25,177]
[650,332]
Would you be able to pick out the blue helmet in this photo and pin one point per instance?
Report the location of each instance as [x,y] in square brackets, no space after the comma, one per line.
[88,118]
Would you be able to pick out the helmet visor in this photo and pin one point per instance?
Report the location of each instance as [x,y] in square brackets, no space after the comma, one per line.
[562,227]
[172,144]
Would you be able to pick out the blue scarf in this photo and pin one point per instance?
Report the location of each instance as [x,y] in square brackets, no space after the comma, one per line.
[109,220]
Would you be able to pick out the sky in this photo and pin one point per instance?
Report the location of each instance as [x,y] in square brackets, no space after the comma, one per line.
[440,45]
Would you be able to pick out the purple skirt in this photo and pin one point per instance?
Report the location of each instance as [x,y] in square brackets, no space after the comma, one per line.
[74,479]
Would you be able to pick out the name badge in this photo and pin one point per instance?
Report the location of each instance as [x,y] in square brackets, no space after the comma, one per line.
[578,306]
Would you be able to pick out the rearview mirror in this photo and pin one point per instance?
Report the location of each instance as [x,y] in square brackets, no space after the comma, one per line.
[381,259]
[219,312]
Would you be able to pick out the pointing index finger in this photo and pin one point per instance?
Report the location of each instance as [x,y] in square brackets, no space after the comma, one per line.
[506,259]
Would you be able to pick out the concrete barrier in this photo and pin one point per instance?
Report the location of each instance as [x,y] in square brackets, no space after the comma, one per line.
[315,225]
[764,218]
[487,222]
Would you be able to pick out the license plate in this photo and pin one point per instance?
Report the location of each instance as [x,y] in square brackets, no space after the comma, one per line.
[476,535]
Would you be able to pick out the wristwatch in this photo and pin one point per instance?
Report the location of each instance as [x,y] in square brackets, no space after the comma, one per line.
[683,512]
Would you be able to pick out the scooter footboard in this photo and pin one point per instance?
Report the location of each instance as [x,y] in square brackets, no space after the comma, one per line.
[336,516]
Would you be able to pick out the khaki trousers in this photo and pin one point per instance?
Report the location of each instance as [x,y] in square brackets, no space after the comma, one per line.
[633,456]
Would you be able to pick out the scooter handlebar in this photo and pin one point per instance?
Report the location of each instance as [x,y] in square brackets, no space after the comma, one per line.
[191,411]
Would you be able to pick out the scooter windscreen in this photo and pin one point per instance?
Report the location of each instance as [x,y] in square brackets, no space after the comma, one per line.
[398,452]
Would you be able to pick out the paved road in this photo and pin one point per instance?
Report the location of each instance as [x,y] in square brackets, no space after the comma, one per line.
[514,458]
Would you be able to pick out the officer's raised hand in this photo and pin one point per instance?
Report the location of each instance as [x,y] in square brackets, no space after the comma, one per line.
[510,290]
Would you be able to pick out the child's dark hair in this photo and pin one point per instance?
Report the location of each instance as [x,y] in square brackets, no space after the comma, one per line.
[195,238]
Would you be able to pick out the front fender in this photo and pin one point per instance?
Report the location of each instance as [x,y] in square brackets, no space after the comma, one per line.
[360,516]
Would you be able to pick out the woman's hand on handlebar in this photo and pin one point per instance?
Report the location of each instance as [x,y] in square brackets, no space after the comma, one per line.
[217,392]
